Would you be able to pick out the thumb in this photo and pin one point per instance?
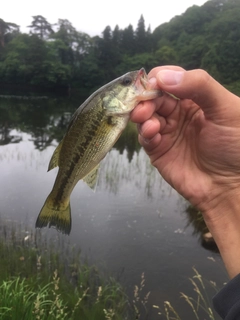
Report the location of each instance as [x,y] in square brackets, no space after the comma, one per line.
[200,87]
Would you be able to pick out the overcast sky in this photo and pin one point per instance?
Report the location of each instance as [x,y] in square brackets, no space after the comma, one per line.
[92,16]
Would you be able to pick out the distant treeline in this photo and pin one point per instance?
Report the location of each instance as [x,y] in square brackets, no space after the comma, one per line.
[58,55]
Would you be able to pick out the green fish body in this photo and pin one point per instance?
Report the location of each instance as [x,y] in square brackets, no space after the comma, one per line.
[93,130]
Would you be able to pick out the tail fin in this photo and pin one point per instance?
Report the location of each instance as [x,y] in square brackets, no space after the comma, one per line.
[51,217]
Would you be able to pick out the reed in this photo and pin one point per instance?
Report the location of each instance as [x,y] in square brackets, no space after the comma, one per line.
[44,278]
[198,302]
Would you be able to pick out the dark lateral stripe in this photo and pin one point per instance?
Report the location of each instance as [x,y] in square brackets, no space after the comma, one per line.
[90,135]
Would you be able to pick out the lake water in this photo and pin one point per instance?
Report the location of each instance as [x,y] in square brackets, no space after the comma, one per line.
[133,223]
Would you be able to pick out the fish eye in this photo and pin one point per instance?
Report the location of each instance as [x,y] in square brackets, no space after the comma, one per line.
[126,81]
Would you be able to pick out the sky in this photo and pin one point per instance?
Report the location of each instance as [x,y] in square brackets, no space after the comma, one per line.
[92,16]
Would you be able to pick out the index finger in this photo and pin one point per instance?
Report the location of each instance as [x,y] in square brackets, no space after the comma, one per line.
[163,106]
[143,111]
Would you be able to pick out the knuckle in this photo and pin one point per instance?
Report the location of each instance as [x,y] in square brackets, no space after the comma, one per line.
[203,76]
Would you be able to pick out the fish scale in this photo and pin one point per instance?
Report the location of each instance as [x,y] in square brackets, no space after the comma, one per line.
[93,130]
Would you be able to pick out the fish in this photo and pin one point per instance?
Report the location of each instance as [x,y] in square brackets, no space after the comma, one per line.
[93,130]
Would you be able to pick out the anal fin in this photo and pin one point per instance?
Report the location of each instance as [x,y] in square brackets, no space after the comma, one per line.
[54,160]
[91,178]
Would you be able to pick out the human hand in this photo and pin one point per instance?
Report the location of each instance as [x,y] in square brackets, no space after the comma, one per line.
[194,142]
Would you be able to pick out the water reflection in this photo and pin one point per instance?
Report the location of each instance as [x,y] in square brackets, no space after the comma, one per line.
[6,137]
[200,228]
[117,172]
[44,120]
[47,120]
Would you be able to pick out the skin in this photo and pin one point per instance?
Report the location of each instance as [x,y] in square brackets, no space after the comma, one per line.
[194,143]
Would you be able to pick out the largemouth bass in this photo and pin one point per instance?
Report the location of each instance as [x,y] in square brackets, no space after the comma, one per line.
[93,130]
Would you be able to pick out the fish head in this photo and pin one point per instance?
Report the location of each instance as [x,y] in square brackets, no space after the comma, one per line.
[125,92]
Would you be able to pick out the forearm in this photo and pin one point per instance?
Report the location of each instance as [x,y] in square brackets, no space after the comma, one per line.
[223,221]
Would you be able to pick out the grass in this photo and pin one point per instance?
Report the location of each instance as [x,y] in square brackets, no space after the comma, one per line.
[140,301]
[19,301]
[198,303]
[42,279]
[46,279]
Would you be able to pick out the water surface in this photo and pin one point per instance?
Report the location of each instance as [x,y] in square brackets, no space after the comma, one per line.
[133,223]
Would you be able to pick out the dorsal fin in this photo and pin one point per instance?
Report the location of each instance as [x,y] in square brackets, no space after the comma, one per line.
[92,177]
[54,160]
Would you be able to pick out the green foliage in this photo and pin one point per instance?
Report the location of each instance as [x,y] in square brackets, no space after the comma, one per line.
[6,30]
[19,301]
[234,87]
[29,59]
[206,37]
[203,37]
[141,37]
[127,41]
[136,62]
[45,279]
[41,27]
[165,55]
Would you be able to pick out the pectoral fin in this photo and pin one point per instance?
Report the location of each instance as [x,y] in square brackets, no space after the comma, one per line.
[92,177]
[54,160]
[113,105]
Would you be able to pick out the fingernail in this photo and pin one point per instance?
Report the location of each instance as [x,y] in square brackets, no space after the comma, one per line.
[170,77]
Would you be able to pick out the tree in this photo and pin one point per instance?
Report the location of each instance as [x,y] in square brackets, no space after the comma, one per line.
[31,60]
[71,46]
[141,36]
[117,37]
[191,49]
[41,27]
[56,72]
[24,57]
[89,76]
[66,32]
[211,61]
[165,55]
[107,34]
[136,62]
[6,27]
[128,40]
[83,43]
[108,56]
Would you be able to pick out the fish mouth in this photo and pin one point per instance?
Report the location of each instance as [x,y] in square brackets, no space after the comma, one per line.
[142,77]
